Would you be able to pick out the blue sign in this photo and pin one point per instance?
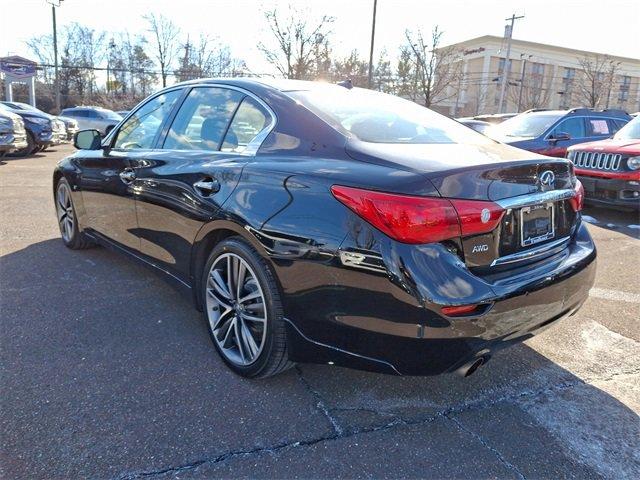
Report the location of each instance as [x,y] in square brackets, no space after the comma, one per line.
[17,67]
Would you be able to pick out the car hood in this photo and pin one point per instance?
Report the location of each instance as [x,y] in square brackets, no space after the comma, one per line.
[610,145]
[436,158]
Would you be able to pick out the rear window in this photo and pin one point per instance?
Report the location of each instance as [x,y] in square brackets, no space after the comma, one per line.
[526,125]
[598,126]
[380,118]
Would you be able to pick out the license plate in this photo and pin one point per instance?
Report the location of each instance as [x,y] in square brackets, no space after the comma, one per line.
[536,224]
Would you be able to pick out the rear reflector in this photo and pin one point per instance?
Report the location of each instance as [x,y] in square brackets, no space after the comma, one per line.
[458,310]
[577,202]
[410,219]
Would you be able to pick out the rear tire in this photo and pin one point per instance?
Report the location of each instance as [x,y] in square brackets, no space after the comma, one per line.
[72,236]
[244,310]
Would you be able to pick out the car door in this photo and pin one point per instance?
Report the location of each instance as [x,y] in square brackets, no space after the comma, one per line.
[182,185]
[107,177]
[557,142]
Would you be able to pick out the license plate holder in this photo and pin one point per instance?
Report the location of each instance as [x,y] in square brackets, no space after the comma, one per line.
[537,224]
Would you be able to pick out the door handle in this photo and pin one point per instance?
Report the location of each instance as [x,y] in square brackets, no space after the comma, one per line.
[127,175]
[207,186]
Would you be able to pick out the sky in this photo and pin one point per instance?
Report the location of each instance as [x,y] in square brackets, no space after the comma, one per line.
[606,27]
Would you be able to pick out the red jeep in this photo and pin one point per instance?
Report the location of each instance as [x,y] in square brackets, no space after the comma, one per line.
[610,169]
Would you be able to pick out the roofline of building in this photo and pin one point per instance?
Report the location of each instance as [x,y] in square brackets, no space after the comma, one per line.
[528,43]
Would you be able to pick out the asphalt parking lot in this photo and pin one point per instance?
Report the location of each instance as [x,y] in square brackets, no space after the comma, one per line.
[106,372]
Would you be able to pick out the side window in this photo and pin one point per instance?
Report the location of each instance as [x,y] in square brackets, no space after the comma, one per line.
[141,128]
[573,126]
[78,113]
[91,114]
[203,119]
[615,125]
[250,119]
[598,127]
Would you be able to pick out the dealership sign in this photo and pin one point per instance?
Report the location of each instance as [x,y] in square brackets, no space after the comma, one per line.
[17,67]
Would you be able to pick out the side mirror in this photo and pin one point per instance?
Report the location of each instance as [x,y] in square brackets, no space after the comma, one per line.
[87,140]
[558,136]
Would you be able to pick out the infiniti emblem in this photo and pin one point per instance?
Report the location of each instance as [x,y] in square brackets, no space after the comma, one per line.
[547,179]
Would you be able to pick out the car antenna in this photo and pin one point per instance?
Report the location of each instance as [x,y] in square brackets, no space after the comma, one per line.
[346,84]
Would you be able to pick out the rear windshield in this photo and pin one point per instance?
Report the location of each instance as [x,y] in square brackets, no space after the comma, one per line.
[526,125]
[631,131]
[380,118]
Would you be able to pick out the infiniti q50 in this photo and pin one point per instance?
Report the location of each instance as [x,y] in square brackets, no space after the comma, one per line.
[321,223]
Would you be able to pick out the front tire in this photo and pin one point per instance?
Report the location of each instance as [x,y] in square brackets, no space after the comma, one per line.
[72,236]
[243,309]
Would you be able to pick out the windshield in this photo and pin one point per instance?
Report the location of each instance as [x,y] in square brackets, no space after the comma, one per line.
[631,131]
[5,108]
[525,125]
[380,118]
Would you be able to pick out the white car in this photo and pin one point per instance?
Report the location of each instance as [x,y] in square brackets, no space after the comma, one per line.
[98,118]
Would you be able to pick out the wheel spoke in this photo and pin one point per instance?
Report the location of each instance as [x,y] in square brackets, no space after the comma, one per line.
[219,285]
[249,341]
[240,275]
[251,296]
[253,318]
[230,324]
[230,272]
[219,299]
[221,318]
[239,342]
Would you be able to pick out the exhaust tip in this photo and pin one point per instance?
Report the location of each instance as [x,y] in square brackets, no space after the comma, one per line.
[472,366]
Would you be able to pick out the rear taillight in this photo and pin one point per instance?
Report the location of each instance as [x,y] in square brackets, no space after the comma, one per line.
[477,216]
[410,219]
[577,202]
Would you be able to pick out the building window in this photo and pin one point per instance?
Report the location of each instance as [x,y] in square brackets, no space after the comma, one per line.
[569,74]
[625,85]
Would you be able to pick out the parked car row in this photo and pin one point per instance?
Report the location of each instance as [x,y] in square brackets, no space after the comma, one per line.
[41,129]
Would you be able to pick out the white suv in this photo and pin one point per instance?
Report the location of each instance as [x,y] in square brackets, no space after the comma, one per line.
[98,118]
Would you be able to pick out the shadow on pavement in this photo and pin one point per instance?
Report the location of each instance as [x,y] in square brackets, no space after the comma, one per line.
[625,222]
[107,372]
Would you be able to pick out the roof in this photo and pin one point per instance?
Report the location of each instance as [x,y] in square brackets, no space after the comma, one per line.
[527,43]
[281,84]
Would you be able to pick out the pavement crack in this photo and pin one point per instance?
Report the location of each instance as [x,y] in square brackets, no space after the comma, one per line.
[486,445]
[320,404]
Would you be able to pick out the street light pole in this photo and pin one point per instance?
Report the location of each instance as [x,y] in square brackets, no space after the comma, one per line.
[373,34]
[506,68]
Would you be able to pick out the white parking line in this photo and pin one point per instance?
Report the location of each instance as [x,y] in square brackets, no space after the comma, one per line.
[616,295]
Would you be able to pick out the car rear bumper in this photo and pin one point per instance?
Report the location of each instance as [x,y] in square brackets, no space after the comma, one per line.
[376,325]
[611,191]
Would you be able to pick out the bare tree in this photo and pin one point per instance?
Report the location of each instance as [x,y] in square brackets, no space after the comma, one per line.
[165,34]
[436,68]
[208,58]
[295,53]
[596,82]
[352,67]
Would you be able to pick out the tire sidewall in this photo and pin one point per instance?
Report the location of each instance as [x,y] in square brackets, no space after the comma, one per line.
[241,248]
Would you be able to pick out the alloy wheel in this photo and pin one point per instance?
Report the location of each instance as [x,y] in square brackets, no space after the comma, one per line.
[236,309]
[64,208]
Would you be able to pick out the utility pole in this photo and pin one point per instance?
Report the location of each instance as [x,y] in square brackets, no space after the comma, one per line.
[56,80]
[524,67]
[373,34]
[508,33]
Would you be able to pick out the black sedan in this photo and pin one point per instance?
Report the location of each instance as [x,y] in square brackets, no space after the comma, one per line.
[319,223]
